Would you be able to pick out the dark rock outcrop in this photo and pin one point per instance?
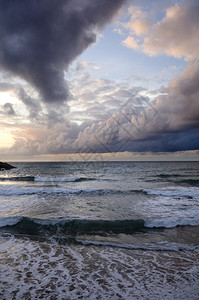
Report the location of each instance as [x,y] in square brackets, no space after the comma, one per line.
[5,166]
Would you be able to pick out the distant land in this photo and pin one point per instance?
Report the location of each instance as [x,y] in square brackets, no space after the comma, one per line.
[5,166]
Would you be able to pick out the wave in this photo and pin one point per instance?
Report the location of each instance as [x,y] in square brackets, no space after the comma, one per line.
[161,246]
[63,179]
[24,225]
[72,227]
[174,192]
[169,175]
[47,179]
[16,190]
[189,182]
[177,179]
[18,178]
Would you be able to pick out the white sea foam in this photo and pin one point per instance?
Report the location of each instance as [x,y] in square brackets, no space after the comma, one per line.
[160,246]
[47,270]
[56,179]
[11,190]
[9,221]
[172,222]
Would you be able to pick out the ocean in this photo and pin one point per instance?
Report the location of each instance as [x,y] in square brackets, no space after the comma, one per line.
[99,230]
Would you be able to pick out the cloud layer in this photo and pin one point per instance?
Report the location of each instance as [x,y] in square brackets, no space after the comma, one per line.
[171,123]
[114,116]
[39,39]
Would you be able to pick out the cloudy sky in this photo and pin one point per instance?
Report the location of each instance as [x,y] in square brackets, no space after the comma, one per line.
[94,80]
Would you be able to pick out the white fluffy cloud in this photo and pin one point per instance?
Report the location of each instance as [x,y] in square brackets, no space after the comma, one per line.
[176,34]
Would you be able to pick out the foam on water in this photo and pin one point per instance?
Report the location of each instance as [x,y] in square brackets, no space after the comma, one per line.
[77,237]
[159,246]
[46,179]
[9,221]
[33,270]
[9,190]
[173,206]
[57,179]
[172,222]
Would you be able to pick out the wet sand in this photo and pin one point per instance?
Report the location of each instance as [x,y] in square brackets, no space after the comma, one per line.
[44,270]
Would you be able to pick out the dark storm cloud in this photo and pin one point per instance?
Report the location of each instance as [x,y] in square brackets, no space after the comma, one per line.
[39,38]
[165,142]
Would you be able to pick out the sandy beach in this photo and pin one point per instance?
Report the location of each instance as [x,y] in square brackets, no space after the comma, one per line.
[43,270]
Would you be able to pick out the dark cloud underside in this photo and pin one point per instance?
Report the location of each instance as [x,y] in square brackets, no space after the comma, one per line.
[40,38]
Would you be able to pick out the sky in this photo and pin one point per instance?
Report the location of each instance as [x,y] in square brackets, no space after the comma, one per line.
[99,80]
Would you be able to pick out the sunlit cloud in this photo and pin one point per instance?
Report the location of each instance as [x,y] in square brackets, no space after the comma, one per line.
[111,118]
[175,35]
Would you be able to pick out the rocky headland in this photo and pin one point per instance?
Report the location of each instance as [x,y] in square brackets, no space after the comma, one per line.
[5,166]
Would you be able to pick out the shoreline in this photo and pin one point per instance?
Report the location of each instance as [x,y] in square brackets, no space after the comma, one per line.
[71,272]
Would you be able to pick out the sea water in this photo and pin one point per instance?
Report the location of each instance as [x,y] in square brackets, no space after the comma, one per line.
[100,230]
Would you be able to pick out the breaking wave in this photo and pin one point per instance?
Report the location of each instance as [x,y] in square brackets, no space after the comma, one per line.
[15,190]
[24,225]
[68,227]
[46,179]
